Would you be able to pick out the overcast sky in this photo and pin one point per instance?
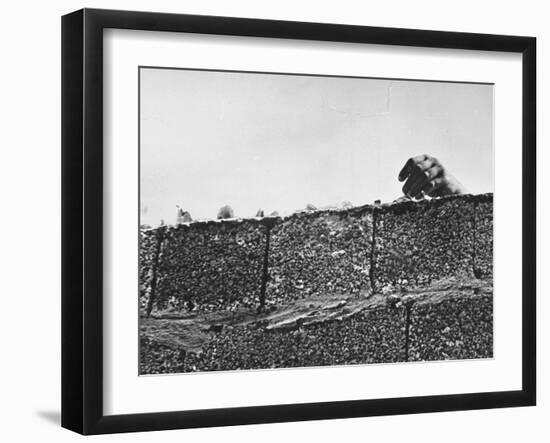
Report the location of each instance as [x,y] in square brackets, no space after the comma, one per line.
[279,142]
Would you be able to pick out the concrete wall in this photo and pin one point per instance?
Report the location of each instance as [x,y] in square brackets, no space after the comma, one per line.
[483,242]
[371,336]
[319,253]
[417,243]
[149,251]
[230,263]
[437,325]
[211,265]
[454,328]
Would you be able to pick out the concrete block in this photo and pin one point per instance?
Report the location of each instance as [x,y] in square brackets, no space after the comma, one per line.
[324,252]
[211,265]
[452,328]
[419,242]
[483,253]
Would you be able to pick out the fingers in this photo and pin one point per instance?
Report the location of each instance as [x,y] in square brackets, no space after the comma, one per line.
[433,186]
[422,173]
[411,162]
[425,175]
[433,172]
[423,187]
[415,181]
[425,172]
[424,184]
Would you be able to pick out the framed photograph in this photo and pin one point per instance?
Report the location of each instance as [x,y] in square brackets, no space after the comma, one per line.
[269,221]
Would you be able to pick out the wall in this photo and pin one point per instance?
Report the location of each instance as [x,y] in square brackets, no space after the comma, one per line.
[210,265]
[320,252]
[375,335]
[31,89]
[273,261]
[444,326]
[351,254]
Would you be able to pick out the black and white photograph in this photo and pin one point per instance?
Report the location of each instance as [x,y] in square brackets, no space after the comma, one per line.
[294,220]
[275,221]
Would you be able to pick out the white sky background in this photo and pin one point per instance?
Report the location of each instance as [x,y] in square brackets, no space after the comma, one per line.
[279,142]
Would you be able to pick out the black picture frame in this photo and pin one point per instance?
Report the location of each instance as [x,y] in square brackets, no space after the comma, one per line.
[82,220]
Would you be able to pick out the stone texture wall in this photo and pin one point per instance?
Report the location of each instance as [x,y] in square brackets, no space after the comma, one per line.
[371,336]
[427,327]
[417,243]
[148,263]
[454,328]
[483,244]
[319,253]
[405,282]
[211,265]
[225,264]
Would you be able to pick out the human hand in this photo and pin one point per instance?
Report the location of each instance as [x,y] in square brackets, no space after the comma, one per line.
[425,175]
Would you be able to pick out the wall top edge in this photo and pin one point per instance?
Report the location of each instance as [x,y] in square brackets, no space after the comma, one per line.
[355,211]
